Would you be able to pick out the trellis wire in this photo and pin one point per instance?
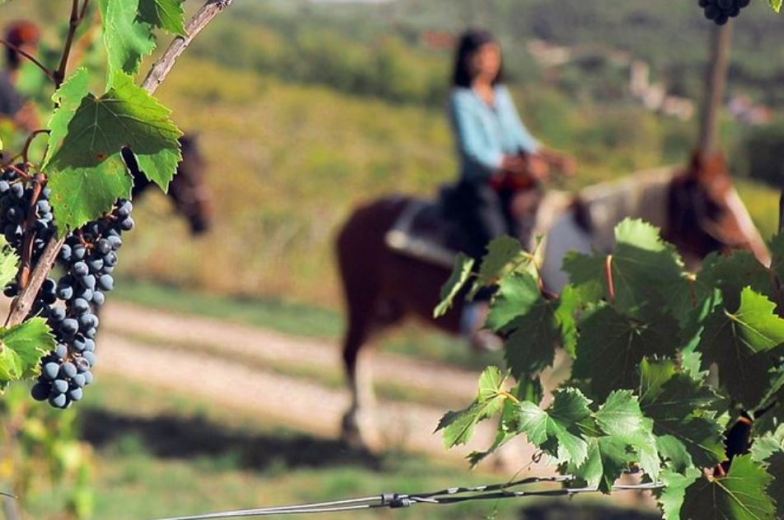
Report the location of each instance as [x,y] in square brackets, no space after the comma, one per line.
[446,496]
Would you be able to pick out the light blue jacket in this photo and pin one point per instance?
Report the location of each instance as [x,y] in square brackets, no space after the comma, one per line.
[484,134]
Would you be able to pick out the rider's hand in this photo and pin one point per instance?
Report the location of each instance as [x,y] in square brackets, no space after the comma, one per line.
[567,165]
[538,167]
[514,164]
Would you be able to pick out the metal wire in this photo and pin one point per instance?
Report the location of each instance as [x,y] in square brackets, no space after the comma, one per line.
[446,496]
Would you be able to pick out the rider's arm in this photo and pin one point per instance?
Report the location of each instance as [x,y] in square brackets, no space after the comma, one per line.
[484,159]
[523,138]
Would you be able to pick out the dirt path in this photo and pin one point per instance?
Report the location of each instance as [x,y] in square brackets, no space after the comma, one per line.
[224,377]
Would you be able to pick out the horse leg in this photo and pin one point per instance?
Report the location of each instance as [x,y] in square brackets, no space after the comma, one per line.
[358,427]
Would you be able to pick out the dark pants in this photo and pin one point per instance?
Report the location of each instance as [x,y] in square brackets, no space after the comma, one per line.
[482,214]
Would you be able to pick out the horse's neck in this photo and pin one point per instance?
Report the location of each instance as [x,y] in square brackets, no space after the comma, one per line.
[642,195]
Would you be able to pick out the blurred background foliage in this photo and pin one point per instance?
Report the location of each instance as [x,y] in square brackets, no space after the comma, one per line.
[304,109]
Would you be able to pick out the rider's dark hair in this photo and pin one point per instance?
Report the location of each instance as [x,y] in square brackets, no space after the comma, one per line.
[470,42]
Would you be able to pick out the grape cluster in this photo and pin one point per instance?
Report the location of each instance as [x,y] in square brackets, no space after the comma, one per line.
[88,259]
[722,10]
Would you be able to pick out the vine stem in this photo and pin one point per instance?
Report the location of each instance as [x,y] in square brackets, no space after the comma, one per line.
[77,15]
[29,56]
[609,276]
[21,306]
[163,66]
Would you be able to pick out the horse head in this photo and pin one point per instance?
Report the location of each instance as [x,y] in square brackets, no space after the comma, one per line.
[189,191]
[705,213]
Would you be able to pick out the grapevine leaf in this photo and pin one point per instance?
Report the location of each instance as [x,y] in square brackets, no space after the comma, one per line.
[461,272]
[127,38]
[671,449]
[645,268]
[87,173]
[608,457]
[768,444]
[621,417]
[165,14]
[531,346]
[732,273]
[611,346]
[776,5]
[573,304]
[82,194]
[503,254]
[9,262]
[508,429]
[21,348]
[769,450]
[516,294]
[740,495]
[742,345]
[586,272]
[67,99]
[490,383]
[529,389]
[678,405]
[776,489]
[459,426]
[556,430]
[671,498]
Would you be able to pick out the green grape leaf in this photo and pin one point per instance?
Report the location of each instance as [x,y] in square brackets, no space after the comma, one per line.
[21,349]
[556,430]
[508,429]
[769,450]
[672,450]
[776,5]
[9,262]
[517,293]
[573,305]
[87,174]
[768,444]
[740,495]
[776,489]
[732,273]
[645,269]
[459,426]
[621,417]
[127,38]
[165,14]
[677,405]
[671,497]
[742,345]
[531,346]
[504,255]
[611,346]
[608,457]
[67,99]
[586,272]
[461,272]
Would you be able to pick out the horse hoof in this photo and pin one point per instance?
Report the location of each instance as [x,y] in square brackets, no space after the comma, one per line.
[359,433]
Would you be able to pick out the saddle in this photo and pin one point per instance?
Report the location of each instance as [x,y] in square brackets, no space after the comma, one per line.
[429,230]
[425,231]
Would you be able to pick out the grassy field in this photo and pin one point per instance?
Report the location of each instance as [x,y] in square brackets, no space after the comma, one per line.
[161,454]
[288,162]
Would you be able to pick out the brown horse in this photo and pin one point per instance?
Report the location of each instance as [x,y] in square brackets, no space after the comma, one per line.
[697,209]
[188,190]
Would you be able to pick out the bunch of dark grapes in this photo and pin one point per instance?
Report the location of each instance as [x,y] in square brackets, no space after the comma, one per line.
[88,259]
[722,10]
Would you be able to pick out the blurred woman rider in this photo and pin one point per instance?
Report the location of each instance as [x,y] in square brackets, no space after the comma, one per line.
[499,158]
[22,35]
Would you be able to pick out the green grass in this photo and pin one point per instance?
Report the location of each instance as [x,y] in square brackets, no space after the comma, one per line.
[159,453]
